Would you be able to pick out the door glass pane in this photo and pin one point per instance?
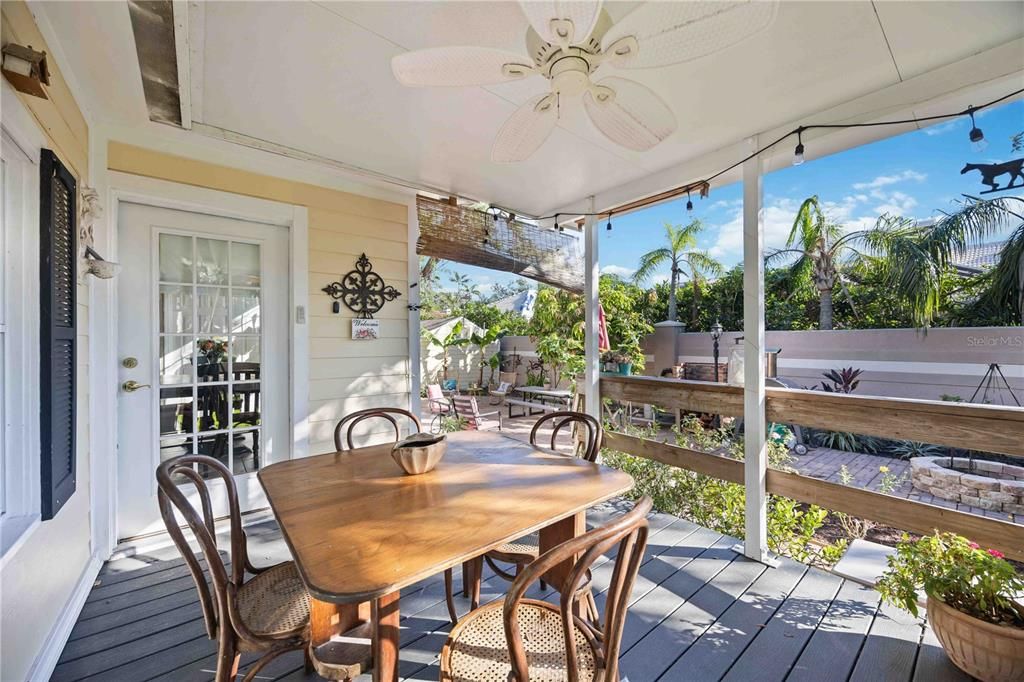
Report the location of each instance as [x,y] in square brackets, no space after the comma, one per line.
[245,451]
[176,359]
[175,309]
[245,311]
[175,258]
[210,329]
[175,447]
[212,408]
[213,445]
[212,304]
[212,359]
[175,410]
[212,258]
[245,264]
[245,354]
[245,405]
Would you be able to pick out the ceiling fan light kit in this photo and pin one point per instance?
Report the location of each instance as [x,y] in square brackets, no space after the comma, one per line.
[567,42]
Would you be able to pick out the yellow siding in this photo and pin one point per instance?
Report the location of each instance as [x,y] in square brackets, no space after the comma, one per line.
[345,375]
[37,581]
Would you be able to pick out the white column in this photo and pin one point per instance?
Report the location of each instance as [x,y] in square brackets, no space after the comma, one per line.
[755,449]
[414,312]
[591,390]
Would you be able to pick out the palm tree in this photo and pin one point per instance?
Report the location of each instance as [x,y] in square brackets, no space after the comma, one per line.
[822,251]
[977,221]
[482,341]
[914,259]
[684,258]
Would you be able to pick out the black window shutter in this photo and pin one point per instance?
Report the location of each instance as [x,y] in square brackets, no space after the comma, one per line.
[57,313]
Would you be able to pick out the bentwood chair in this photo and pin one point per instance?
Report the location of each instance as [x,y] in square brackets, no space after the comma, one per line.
[586,444]
[350,421]
[267,613]
[501,640]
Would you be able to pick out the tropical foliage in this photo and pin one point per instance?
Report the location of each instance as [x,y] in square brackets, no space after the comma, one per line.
[683,257]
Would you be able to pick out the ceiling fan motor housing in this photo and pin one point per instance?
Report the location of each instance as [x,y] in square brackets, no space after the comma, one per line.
[570,76]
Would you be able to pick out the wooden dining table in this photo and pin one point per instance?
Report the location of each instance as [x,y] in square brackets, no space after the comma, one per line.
[360,530]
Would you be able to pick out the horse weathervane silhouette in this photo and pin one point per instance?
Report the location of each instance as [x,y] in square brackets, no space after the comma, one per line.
[991,171]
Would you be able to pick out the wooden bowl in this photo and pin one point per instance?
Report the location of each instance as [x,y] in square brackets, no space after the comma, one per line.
[420,452]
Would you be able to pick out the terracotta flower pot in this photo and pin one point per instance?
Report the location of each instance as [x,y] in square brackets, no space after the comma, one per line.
[992,653]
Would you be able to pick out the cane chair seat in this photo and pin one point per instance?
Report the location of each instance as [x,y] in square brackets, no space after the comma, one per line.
[275,603]
[477,651]
[525,548]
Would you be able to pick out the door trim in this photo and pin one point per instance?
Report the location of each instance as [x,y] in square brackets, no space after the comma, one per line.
[125,187]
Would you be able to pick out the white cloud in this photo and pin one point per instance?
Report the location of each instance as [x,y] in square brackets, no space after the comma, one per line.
[897,203]
[942,128]
[617,270]
[884,180]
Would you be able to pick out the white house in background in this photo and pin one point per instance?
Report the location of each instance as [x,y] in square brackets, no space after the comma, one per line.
[520,304]
[464,361]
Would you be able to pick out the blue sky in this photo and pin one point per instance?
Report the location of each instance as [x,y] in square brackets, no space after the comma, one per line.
[916,175]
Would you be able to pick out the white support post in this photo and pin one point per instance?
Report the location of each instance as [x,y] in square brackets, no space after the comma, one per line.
[755,447]
[592,273]
[414,310]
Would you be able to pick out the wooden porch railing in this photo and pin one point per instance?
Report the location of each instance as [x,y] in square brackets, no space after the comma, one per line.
[976,427]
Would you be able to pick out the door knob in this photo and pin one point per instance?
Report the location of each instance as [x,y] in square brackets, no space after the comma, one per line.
[132,386]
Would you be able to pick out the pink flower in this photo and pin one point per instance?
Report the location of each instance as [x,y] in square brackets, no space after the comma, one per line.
[974,545]
[996,553]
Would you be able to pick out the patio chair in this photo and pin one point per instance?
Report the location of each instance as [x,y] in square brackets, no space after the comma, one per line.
[489,642]
[267,613]
[440,406]
[466,409]
[503,389]
[587,439]
[349,422]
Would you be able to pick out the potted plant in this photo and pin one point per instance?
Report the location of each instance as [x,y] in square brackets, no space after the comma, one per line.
[971,602]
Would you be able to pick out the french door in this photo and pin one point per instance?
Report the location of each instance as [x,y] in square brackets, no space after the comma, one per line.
[203,353]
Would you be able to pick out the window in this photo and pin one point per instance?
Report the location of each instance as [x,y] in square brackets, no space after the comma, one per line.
[19,343]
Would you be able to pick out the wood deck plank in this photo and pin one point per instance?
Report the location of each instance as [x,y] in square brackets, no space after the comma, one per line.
[833,649]
[778,645]
[933,665]
[891,647]
[699,611]
[653,655]
[724,641]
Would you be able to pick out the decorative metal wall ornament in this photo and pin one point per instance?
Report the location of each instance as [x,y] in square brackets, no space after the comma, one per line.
[991,171]
[362,290]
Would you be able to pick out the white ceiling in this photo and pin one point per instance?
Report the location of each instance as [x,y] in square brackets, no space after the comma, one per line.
[316,77]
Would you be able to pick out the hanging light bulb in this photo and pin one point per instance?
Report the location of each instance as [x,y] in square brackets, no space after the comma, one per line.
[689,202]
[798,153]
[608,227]
[978,141]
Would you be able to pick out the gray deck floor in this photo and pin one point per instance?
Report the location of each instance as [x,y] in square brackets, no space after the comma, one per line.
[699,612]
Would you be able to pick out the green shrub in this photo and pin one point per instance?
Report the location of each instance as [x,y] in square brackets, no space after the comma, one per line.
[720,505]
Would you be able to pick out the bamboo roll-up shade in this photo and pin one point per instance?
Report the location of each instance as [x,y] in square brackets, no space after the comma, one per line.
[465,235]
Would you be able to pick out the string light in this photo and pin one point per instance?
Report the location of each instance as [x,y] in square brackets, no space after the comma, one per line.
[976,136]
[689,202]
[608,227]
[978,142]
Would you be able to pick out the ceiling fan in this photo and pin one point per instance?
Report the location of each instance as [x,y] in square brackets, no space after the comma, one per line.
[567,42]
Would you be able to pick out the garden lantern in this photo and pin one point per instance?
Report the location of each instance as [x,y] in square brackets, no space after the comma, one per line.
[716,334]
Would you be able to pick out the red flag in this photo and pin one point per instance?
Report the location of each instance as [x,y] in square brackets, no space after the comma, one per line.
[603,342]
